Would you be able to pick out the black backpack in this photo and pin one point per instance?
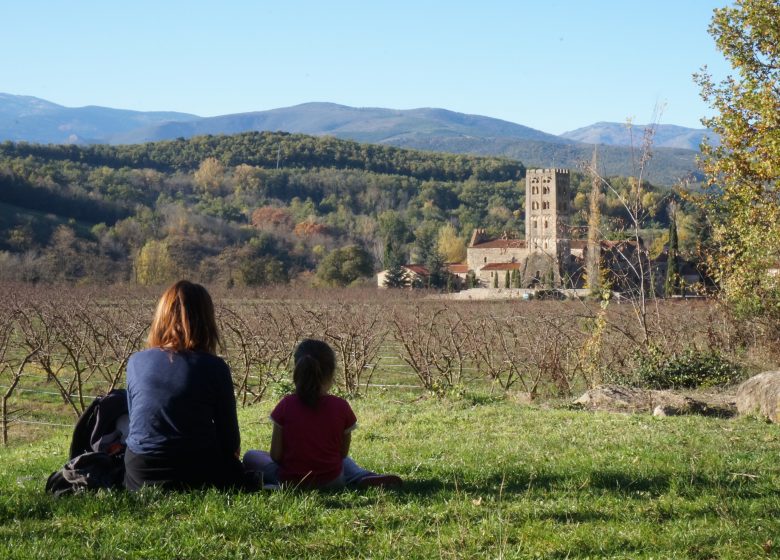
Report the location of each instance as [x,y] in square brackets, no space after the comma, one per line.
[97,449]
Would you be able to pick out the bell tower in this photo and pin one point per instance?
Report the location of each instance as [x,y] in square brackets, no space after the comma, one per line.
[547,209]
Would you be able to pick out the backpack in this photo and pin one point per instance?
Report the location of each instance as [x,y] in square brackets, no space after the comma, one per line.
[89,471]
[97,448]
[102,425]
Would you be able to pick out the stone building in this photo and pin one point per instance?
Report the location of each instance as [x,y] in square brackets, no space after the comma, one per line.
[543,257]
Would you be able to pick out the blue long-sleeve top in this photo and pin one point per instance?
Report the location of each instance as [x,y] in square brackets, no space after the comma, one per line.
[180,404]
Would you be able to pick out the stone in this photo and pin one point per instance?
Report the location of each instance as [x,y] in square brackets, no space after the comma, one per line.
[760,395]
[662,411]
[615,398]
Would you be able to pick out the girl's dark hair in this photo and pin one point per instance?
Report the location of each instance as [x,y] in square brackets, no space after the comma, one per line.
[315,363]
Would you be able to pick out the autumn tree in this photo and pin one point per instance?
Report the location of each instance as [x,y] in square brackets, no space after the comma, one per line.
[153,264]
[450,245]
[593,255]
[210,176]
[744,170]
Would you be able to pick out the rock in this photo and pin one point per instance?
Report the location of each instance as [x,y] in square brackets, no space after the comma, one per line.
[614,398]
[761,395]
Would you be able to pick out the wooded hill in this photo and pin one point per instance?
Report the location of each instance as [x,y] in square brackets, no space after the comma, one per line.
[253,208]
[36,120]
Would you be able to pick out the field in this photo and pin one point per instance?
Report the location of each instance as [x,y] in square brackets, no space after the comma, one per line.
[436,387]
[60,347]
[484,479]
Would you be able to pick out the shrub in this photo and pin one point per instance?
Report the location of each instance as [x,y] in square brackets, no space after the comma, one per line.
[691,369]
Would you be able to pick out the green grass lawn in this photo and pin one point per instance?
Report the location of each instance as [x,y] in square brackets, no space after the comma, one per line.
[486,480]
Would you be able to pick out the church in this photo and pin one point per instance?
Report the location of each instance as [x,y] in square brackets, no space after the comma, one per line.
[545,255]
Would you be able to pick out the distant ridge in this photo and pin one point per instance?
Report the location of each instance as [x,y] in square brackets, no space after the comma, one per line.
[366,124]
[24,118]
[620,134]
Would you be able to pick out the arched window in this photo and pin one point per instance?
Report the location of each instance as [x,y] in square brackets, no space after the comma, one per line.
[545,205]
[545,190]
[534,224]
[545,224]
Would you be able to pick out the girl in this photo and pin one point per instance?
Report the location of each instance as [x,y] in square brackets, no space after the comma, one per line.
[313,430]
[183,424]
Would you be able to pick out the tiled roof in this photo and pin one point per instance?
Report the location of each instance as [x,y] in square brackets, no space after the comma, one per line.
[501,244]
[458,268]
[418,269]
[501,266]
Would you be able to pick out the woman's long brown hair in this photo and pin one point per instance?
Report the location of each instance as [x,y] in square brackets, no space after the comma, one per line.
[184,320]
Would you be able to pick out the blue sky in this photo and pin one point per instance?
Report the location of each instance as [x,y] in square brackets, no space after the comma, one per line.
[554,65]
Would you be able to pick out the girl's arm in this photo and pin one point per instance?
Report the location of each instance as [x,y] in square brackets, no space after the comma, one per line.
[276,444]
[345,444]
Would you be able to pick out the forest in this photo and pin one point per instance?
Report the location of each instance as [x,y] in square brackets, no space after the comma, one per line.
[268,208]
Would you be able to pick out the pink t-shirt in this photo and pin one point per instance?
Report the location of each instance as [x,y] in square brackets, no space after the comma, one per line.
[312,438]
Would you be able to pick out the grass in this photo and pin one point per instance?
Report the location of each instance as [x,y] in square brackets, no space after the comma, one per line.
[484,479]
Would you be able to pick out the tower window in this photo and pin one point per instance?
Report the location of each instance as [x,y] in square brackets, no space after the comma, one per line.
[545,205]
[545,190]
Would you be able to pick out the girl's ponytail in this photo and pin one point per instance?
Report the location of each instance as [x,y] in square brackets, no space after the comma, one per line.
[315,363]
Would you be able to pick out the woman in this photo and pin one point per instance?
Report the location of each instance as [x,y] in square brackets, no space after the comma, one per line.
[183,425]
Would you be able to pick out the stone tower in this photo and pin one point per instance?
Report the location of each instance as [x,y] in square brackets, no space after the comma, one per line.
[547,222]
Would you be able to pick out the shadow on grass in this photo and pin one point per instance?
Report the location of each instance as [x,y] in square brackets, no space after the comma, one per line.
[617,482]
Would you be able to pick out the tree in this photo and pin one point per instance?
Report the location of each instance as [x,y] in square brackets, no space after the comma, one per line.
[672,284]
[210,175]
[450,245]
[395,277]
[394,232]
[438,274]
[744,170]
[343,266]
[153,265]
[593,256]
[507,280]
[426,237]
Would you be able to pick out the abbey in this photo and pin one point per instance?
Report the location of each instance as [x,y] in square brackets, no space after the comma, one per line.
[545,255]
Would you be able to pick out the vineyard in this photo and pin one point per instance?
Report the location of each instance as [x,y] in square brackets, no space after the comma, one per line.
[60,347]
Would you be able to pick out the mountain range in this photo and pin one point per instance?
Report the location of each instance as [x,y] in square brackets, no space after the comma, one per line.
[30,119]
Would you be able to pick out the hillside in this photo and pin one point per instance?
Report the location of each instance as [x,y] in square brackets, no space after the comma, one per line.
[29,119]
[619,134]
[33,120]
[259,208]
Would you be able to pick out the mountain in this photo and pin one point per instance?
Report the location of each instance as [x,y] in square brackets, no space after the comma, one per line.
[36,120]
[617,134]
[423,129]
[374,125]
[29,119]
